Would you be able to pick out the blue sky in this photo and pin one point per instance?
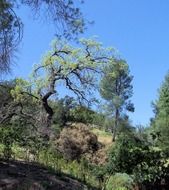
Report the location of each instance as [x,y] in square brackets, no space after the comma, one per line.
[139,29]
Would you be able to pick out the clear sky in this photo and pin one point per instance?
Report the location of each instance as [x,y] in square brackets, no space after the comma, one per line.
[139,29]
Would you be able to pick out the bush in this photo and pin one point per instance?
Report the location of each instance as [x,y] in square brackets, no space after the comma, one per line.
[76,141]
[8,136]
[153,169]
[122,158]
[120,181]
[134,155]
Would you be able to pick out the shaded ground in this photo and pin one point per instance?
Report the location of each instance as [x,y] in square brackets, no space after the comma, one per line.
[16,175]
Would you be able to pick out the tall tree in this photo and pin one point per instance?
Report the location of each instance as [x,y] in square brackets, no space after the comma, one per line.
[76,68]
[66,16]
[160,122]
[116,88]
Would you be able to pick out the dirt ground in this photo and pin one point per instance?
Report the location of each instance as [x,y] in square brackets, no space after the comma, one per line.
[17,175]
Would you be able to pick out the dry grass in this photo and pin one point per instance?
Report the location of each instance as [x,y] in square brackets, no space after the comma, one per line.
[104,138]
[107,141]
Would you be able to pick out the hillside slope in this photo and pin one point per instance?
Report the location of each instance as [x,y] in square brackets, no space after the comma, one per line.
[17,175]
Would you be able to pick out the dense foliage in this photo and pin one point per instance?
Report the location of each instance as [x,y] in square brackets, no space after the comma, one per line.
[120,181]
[160,123]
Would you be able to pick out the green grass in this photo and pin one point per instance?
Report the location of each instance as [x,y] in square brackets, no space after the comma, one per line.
[75,169]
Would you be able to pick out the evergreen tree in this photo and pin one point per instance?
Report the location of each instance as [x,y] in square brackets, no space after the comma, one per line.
[64,14]
[116,88]
[160,122]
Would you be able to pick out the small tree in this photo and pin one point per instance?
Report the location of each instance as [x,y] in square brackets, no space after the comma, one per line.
[116,88]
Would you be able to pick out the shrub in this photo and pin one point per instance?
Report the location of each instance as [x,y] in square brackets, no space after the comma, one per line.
[120,181]
[120,157]
[153,169]
[135,156]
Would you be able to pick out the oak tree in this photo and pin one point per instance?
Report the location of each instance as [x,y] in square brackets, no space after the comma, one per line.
[77,68]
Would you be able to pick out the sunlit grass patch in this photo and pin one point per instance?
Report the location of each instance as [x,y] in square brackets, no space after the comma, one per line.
[103,137]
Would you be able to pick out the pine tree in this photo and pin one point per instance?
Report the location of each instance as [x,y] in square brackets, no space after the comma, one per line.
[116,88]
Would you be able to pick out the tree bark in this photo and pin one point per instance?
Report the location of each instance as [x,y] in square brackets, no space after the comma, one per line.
[48,110]
[115,124]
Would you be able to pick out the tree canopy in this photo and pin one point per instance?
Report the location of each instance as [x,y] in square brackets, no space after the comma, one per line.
[77,68]
[66,16]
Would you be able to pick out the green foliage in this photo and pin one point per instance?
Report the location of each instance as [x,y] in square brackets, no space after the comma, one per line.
[82,114]
[135,155]
[77,68]
[5,88]
[120,181]
[80,169]
[67,109]
[160,123]
[108,124]
[53,160]
[124,125]
[62,110]
[18,121]
[100,173]
[125,154]
[116,89]
[115,86]
[98,120]
[65,14]
[153,167]
[7,138]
